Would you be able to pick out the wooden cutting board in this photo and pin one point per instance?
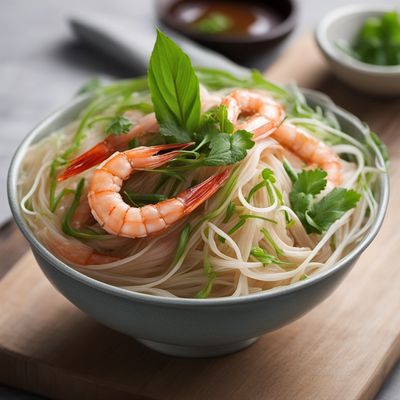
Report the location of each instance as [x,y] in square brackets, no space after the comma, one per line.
[343,349]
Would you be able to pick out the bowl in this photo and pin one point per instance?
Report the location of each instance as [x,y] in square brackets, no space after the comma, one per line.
[237,47]
[343,24]
[188,327]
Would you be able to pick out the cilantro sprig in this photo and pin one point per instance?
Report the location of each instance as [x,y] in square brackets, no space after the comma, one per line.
[119,125]
[318,216]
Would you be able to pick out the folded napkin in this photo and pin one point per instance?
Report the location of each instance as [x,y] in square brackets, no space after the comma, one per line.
[130,41]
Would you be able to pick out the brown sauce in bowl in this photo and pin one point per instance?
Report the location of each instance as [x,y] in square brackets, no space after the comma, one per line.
[228,19]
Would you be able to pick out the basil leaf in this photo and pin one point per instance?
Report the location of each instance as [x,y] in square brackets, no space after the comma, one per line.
[174,86]
[174,133]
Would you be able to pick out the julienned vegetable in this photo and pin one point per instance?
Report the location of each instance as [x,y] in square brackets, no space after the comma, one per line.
[167,187]
[378,41]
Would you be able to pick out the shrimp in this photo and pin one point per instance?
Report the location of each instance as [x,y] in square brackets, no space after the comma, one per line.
[73,250]
[310,150]
[112,143]
[266,120]
[120,219]
[104,149]
[266,113]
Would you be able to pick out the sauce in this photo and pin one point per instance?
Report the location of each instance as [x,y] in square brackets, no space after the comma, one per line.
[225,18]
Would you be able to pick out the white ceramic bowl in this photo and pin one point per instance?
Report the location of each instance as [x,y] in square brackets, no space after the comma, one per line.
[343,24]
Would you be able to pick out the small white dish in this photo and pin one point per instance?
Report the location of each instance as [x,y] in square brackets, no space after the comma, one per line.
[342,25]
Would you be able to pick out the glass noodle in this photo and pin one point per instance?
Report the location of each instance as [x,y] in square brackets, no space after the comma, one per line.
[246,238]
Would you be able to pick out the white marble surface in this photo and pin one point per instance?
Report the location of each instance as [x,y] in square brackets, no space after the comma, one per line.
[42,66]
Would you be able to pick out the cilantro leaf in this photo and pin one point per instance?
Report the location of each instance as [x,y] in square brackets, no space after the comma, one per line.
[310,181]
[331,208]
[228,149]
[317,217]
[301,203]
[118,126]
[207,128]
[174,86]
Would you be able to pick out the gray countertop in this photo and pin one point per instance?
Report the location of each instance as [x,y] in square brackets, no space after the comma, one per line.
[42,67]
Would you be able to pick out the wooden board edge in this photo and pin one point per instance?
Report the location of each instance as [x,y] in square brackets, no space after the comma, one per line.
[382,371]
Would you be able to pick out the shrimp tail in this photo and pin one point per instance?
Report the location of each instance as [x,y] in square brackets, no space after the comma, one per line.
[146,158]
[196,195]
[89,159]
[103,150]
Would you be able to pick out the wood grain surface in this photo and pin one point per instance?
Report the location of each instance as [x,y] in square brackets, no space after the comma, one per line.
[343,349]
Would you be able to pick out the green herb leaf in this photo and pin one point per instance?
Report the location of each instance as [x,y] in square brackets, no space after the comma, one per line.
[174,86]
[318,217]
[174,133]
[118,126]
[229,149]
[310,181]
[301,203]
[331,208]
[378,40]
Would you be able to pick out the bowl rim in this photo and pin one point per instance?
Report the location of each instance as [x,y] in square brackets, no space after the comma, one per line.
[340,57]
[277,32]
[63,268]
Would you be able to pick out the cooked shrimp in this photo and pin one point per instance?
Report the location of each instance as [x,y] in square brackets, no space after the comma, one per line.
[266,113]
[108,146]
[310,150]
[118,218]
[73,250]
